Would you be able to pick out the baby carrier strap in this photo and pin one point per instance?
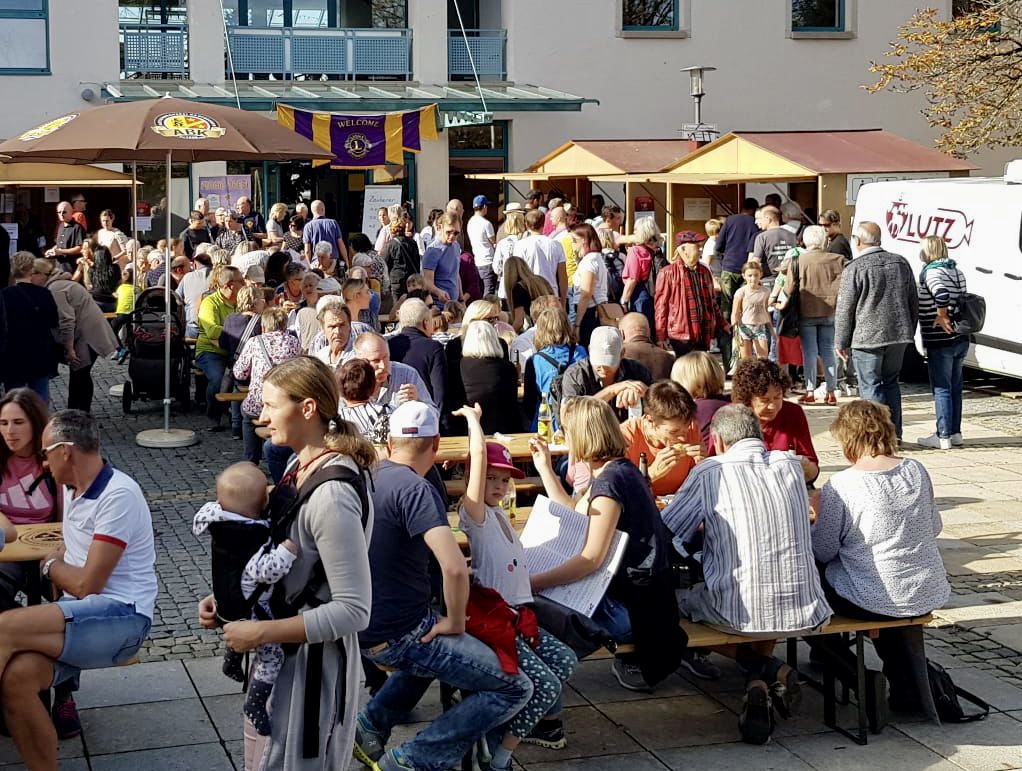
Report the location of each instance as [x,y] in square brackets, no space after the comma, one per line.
[282,608]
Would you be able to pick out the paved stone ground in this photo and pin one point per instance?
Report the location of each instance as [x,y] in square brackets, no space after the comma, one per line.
[171,714]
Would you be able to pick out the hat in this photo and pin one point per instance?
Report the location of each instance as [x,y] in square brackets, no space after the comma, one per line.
[498,456]
[480,201]
[688,237]
[605,347]
[328,284]
[255,274]
[414,420]
[513,206]
[329,299]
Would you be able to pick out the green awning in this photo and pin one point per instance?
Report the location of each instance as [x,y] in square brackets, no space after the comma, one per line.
[361,96]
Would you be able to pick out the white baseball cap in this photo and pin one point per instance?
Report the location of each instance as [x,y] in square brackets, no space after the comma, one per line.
[414,420]
[605,347]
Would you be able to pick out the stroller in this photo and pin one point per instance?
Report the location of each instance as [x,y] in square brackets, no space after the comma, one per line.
[146,332]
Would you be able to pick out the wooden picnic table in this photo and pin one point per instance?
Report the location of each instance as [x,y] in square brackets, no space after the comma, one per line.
[455,448]
[33,544]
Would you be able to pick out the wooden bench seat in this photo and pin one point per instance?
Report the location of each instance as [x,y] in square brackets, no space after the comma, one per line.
[527,486]
[233,396]
[703,636]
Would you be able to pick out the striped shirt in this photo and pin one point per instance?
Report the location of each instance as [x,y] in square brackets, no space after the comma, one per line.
[941,285]
[757,551]
[402,374]
[371,419]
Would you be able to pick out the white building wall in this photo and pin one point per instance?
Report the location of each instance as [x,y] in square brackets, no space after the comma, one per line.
[764,80]
[84,54]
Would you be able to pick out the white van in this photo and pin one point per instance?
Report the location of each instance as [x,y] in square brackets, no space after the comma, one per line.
[980,219]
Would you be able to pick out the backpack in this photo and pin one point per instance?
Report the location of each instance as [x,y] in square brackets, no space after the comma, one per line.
[945,697]
[615,267]
[787,324]
[971,312]
[556,390]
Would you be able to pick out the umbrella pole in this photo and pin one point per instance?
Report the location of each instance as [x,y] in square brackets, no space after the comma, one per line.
[134,212]
[167,437]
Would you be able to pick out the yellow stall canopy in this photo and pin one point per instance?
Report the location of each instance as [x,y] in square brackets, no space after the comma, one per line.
[60,175]
[588,158]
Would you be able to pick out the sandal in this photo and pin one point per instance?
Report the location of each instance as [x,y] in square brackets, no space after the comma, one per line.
[786,692]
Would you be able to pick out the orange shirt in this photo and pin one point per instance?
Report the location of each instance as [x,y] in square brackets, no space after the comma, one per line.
[670,483]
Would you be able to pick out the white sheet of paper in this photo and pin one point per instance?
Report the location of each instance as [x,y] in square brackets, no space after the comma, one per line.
[552,535]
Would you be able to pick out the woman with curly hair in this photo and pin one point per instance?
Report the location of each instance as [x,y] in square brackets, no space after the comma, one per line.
[760,385]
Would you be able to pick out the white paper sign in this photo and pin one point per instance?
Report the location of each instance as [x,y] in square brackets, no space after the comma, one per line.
[553,534]
[697,209]
[51,194]
[143,224]
[12,231]
[377,197]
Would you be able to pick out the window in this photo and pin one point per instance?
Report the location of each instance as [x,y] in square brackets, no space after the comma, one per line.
[817,15]
[961,8]
[650,15]
[24,37]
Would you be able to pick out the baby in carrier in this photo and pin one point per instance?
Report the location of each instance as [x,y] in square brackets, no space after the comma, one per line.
[245,560]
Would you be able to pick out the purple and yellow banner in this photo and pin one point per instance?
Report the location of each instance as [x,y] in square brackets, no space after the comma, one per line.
[363,141]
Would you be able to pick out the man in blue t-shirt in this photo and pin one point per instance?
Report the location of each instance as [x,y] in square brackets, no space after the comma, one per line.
[405,633]
[322,228]
[442,259]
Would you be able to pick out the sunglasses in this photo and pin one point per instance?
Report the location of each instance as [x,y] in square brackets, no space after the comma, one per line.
[50,448]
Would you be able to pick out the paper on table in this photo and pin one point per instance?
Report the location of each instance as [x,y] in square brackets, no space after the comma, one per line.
[552,535]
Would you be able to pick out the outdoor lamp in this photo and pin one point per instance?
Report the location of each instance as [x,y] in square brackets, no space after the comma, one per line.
[695,75]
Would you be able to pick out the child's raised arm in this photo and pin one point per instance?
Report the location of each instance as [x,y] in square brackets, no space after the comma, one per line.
[475,484]
[10,532]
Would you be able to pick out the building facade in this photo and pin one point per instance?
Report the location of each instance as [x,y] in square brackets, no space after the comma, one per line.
[548,71]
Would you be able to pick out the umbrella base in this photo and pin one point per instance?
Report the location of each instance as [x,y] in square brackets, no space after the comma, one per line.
[159,439]
[117,390]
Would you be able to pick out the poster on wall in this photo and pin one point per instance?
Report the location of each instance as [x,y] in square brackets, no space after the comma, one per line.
[12,231]
[697,209]
[377,197]
[225,190]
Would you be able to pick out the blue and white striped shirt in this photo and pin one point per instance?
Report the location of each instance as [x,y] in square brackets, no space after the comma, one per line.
[402,374]
[757,552]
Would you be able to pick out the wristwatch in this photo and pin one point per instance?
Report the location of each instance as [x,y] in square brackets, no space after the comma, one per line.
[46,567]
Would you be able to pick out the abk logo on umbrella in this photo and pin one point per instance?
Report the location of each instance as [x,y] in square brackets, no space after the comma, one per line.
[187,125]
[47,128]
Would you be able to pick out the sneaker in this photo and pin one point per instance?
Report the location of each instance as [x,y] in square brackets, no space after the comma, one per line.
[369,745]
[756,722]
[630,677]
[393,760]
[957,440]
[549,734]
[65,719]
[121,355]
[698,663]
[935,442]
[786,692]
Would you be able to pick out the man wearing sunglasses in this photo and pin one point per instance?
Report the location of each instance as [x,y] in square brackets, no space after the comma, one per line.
[106,574]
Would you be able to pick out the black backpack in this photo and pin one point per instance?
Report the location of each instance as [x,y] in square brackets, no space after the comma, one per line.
[556,391]
[945,697]
[615,267]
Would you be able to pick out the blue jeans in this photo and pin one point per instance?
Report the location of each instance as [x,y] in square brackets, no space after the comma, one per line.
[277,458]
[488,279]
[459,660]
[99,632]
[213,366]
[252,442]
[642,303]
[817,336]
[877,370]
[945,365]
[612,617]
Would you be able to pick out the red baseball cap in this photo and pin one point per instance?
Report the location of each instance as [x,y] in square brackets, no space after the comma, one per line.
[498,456]
[688,237]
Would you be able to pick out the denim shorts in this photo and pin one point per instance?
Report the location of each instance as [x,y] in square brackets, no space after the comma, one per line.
[754,331]
[98,632]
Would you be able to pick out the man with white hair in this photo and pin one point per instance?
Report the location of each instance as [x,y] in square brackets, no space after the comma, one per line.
[209,216]
[157,268]
[321,228]
[414,346]
[792,213]
[751,502]
[876,317]
[253,226]
[323,257]
[301,210]
[396,383]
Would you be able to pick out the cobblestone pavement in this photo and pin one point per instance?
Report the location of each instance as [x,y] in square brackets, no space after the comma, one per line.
[177,482]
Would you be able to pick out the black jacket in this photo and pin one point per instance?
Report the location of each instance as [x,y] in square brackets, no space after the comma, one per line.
[416,349]
[493,383]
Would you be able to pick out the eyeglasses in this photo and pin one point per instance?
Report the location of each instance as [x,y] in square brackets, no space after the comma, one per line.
[50,448]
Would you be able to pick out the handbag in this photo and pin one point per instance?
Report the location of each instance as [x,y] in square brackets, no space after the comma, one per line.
[971,312]
[787,323]
[609,314]
[229,382]
[946,695]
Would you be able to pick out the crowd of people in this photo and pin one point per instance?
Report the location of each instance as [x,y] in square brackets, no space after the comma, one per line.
[355,357]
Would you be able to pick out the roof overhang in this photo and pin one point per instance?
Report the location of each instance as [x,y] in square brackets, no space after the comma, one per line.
[522,176]
[703,179]
[358,96]
[60,175]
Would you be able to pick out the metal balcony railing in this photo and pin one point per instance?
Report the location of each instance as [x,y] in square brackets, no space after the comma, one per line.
[489,51]
[348,54]
[154,50]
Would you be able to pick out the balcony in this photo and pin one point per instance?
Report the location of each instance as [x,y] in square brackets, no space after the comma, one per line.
[488,48]
[154,50]
[346,54]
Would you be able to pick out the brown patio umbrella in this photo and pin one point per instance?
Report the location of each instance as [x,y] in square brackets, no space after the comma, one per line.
[164,130]
[150,129]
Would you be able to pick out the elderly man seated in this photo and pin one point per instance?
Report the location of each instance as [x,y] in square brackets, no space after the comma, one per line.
[396,383]
[760,577]
[606,375]
[415,347]
[105,572]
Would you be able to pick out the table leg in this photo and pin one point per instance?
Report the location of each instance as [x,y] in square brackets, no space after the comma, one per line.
[33,584]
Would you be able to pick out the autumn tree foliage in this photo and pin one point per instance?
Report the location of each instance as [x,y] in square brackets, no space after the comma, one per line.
[968,67]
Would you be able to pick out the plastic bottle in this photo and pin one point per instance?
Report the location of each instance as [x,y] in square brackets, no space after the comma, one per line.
[545,420]
[509,503]
[635,411]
